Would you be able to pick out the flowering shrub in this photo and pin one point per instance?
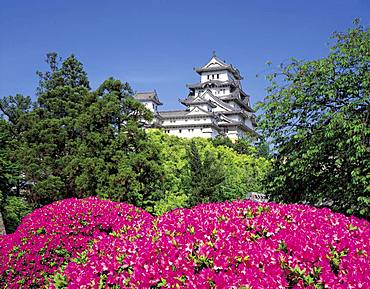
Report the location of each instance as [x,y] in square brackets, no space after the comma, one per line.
[92,243]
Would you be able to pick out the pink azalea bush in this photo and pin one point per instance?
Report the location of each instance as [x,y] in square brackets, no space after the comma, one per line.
[93,243]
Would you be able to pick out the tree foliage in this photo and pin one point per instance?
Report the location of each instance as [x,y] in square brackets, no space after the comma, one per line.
[199,167]
[205,176]
[316,115]
[74,141]
[15,208]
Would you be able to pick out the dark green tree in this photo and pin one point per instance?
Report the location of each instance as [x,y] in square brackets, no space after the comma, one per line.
[76,142]
[128,166]
[246,146]
[13,205]
[316,115]
[47,144]
[205,177]
[222,141]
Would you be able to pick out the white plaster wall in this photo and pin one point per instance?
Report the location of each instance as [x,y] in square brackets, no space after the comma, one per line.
[203,76]
[183,121]
[216,91]
[233,134]
[150,105]
[193,132]
[220,91]
[223,76]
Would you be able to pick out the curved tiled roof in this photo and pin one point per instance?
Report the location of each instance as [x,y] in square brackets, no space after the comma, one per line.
[147,95]
[189,101]
[212,81]
[240,125]
[222,65]
[173,113]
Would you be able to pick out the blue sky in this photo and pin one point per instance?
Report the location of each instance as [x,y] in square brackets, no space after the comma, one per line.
[155,44]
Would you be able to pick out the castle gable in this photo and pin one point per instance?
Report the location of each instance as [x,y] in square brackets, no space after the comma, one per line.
[198,110]
[215,62]
[208,95]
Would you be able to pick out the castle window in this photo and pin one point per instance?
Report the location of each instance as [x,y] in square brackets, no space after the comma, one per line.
[218,76]
[208,76]
[179,130]
[213,76]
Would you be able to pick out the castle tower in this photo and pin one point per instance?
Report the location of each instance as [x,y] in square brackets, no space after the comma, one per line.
[216,105]
[149,99]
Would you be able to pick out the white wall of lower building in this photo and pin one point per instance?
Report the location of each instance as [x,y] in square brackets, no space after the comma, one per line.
[197,120]
[150,105]
[190,132]
[232,133]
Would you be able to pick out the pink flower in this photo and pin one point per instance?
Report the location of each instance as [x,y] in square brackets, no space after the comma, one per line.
[91,242]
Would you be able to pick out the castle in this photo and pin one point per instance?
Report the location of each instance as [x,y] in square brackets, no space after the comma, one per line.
[217,105]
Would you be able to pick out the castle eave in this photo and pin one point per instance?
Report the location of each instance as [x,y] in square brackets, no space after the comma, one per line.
[212,82]
[204,125]
[187,101]
[229,68]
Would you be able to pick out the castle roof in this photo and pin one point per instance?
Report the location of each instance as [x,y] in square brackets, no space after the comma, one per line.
[237,100]
[189,101]
[216,64]
[239,125]
[149,96]
[212,82]
[185,113]
[173,113]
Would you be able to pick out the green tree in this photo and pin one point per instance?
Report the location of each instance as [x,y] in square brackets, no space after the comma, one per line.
[205,176]
[172,152]
[243,173]
[76,142]
[126,165]
[13,205]
[14,209]
[47,143]
[316,115]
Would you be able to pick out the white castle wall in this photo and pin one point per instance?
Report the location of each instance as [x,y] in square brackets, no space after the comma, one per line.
[192,132]
[206,120]
[222,76]
[150,105]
